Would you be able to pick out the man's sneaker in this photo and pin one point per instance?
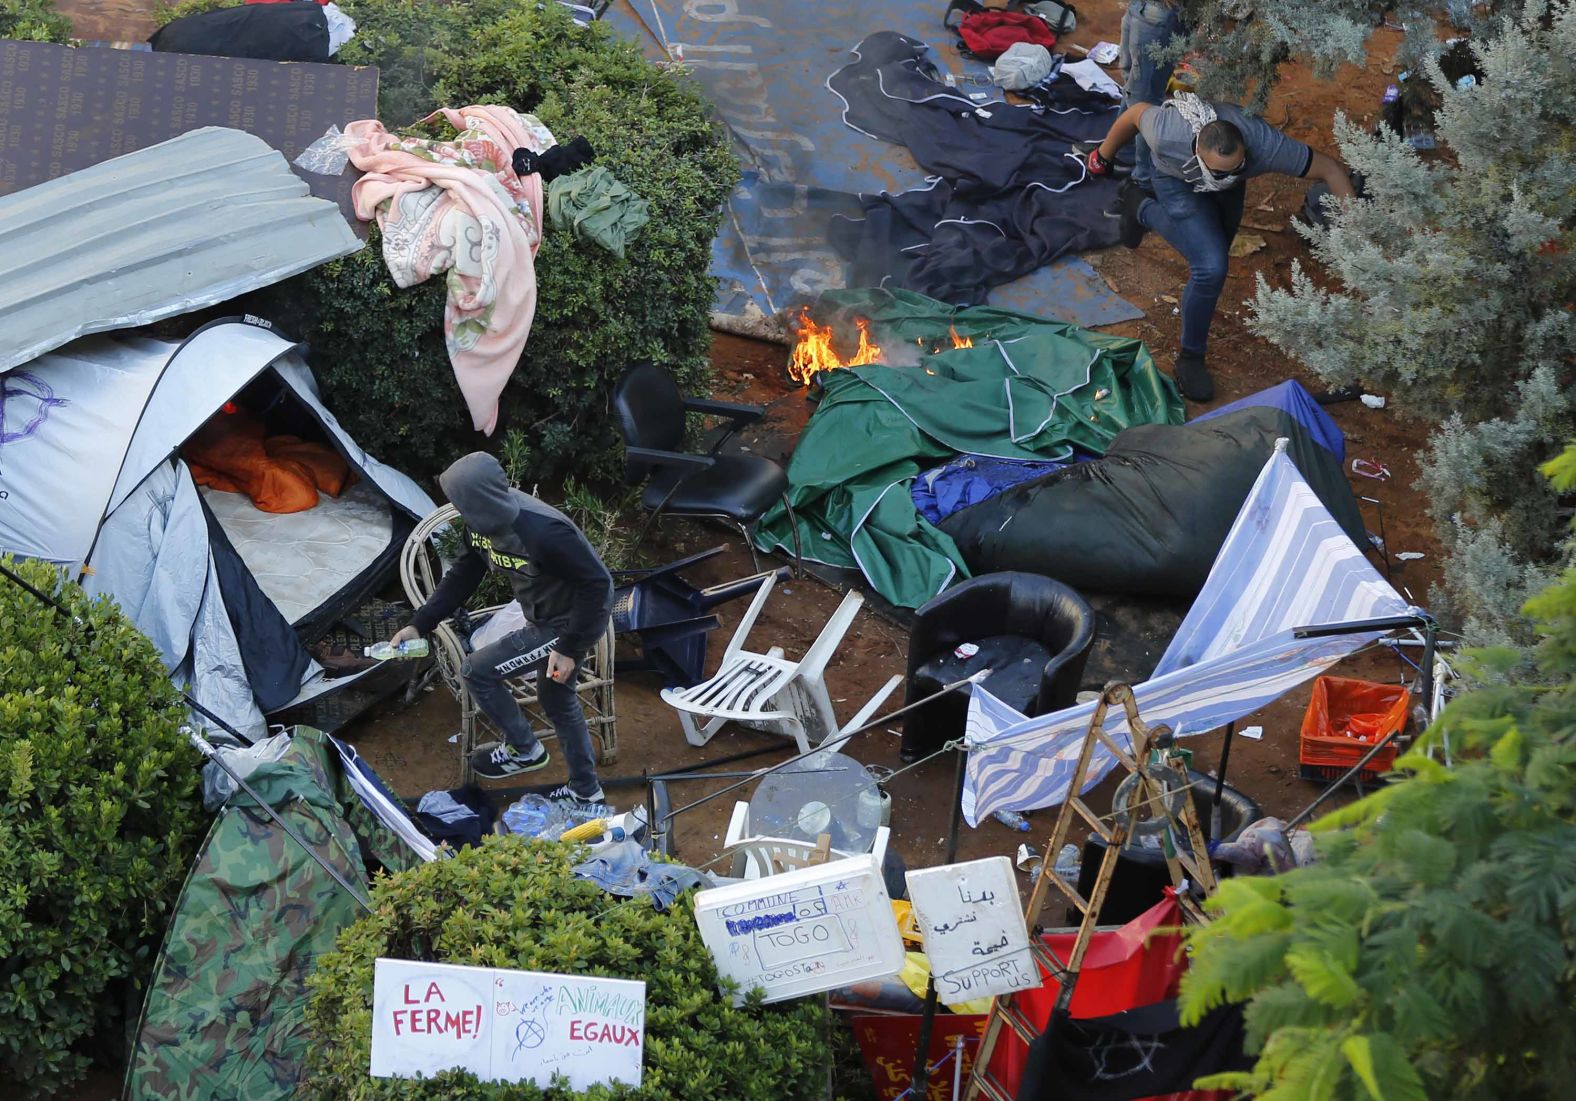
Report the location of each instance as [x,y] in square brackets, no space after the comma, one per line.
[1132,231]
[1192,378]
[497,761]
[566,794]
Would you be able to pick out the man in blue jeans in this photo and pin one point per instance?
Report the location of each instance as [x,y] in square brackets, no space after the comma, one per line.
[567,596]
[1202,154]
[1147,23]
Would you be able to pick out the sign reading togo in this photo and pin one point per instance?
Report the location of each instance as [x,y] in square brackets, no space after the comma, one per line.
[803,931]
[508,1026]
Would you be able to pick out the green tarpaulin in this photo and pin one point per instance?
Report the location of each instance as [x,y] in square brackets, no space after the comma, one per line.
[1029,388]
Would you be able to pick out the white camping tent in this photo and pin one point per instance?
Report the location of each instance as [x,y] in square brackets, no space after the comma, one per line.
[91,479]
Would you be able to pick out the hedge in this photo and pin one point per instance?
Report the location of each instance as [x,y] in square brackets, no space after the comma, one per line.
[378,350]
[514,903]
[100,814]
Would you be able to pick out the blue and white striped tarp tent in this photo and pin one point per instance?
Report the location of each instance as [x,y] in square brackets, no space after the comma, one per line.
[1285,564]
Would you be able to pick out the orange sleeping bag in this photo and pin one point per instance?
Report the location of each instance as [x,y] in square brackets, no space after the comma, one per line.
[279,473]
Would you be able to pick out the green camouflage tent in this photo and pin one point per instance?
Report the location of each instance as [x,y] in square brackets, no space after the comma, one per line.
[225,1011]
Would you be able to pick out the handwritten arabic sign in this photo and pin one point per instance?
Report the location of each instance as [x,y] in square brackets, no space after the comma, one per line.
[803,931]
[973,926]
[506,1026]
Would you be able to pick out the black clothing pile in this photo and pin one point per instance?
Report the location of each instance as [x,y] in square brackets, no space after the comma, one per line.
[1007,194]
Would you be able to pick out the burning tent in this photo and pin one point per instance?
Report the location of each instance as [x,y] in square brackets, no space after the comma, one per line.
[929,382]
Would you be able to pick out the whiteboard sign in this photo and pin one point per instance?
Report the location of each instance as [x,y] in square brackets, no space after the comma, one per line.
[505,1026]
[804,931]
[974,931]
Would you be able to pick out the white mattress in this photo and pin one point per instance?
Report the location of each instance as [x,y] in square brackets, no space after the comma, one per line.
[300,559]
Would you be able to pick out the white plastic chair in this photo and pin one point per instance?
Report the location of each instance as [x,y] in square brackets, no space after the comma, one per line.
[766,691]
[759,857]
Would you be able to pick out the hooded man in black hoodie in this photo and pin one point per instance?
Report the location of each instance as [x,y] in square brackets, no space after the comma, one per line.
[567,596]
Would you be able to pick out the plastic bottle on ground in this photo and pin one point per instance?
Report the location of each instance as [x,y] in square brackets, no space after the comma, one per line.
[1067,862]
[1012,820]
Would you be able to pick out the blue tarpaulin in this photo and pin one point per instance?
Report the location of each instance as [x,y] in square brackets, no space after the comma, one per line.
[764,65]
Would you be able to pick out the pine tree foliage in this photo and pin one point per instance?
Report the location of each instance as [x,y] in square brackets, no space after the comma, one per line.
[1455,280]
[1239,45]
[1432,951]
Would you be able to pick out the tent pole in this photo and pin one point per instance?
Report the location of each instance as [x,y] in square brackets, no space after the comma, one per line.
[203,746]
[1353,771]
[922,1071]
[1220,781]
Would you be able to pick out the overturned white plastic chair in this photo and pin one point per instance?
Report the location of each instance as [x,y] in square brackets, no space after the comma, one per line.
[767,691]
[759,857]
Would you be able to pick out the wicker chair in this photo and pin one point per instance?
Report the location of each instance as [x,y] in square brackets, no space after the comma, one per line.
[421,565]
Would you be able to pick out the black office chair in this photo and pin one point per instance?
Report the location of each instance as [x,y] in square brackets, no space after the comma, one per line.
[1034,635]
[736,489]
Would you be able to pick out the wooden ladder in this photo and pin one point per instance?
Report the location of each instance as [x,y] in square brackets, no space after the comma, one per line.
[1192,866]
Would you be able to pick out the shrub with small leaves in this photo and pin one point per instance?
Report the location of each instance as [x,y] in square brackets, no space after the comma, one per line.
[514,903]
[100,813]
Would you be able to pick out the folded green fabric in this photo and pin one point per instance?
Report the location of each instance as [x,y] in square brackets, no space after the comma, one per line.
[591,203]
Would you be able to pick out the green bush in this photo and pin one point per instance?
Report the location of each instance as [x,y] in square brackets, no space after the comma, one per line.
[99,818]
[33,21]
[378,350]
[513,903]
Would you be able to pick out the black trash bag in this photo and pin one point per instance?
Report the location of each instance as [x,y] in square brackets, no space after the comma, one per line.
[265,32]
[1149,517]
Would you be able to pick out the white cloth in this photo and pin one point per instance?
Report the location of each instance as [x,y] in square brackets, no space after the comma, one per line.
[1092,78]
[341,28]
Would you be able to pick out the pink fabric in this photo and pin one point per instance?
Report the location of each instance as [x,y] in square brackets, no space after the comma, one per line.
[458,207]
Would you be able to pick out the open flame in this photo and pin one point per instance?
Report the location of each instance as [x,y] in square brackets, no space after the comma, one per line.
[813,354]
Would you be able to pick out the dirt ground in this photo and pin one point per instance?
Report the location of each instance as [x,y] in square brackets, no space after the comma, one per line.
[409,745]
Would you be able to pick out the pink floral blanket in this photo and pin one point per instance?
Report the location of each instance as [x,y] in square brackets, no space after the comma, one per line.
[457,207]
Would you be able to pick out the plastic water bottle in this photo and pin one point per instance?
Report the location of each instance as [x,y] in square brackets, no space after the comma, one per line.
[1012,820]
[1067,862]
[410,648]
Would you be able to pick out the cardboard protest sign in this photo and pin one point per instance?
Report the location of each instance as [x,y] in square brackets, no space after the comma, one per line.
[506,1026]
[973,926]
[803,931]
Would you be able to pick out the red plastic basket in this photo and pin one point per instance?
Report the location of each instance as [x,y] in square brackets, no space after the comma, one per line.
[1348,717]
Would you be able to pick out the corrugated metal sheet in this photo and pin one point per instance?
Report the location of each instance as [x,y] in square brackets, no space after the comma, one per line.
[180,225]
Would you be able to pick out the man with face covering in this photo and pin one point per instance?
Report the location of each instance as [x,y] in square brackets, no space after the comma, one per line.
[567,596]
[1202,153]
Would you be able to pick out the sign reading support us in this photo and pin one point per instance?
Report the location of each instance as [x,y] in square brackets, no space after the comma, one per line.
[506,1026]
[974,931]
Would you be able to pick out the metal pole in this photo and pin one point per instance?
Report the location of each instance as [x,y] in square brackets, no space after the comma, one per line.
[1430,641]
[832,742]
[927,1023]
[1220,781]
[1353,771]
[202,745]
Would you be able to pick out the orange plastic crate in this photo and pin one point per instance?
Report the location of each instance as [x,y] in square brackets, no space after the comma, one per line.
[1346,718]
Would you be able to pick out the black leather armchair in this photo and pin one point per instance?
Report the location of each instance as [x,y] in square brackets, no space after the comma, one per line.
[652,418]
[1033,633]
